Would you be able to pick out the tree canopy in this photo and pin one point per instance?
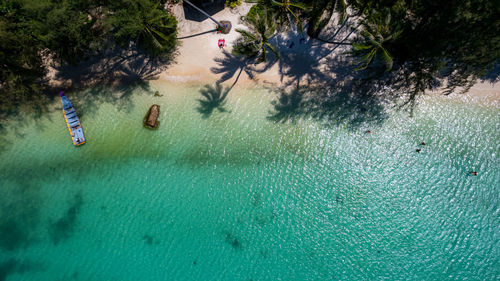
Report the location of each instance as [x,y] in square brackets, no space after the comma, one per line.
[418,44]
[71,31]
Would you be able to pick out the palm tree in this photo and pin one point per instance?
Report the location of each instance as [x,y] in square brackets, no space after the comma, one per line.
[377,32]
[321,12]
[145,22]
[255,41]
[159,32]
[285,10]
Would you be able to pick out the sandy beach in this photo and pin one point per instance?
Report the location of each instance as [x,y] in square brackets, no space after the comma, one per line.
[199,61]
[199,58]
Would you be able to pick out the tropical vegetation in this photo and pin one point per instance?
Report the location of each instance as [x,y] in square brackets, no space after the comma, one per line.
[410,45]
[70,31]
[418,44]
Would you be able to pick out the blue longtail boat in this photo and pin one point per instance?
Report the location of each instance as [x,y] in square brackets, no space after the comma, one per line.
[72,120]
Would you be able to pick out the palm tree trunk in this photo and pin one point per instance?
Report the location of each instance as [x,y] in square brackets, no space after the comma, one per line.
[203,12]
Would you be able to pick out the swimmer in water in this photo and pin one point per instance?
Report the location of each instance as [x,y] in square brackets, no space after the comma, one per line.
[474,173]
[418,150]
[368,132]
[423,143]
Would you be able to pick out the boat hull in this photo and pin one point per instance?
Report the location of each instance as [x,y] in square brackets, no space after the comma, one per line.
[72,121]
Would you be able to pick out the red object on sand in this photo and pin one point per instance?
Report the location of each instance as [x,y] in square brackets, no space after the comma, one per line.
[222,42]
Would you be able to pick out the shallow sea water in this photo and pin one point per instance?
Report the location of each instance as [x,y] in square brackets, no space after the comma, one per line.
[236,196]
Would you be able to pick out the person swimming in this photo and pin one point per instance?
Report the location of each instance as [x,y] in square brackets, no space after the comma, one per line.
[474,173]
[423,143]
[418,150]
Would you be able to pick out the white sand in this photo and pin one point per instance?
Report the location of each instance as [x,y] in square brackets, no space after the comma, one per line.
[198,60]
[199,54]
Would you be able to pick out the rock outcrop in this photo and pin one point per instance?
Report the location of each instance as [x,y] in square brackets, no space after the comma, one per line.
[151,119]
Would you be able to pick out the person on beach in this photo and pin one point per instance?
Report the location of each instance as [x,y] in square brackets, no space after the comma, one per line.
[221,43]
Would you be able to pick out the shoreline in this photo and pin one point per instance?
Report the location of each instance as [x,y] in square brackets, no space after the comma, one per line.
[198,61]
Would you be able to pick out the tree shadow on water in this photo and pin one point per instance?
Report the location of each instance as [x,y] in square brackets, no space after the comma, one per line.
[214,98]
[347,98]
[14,266]
[88,102]
[287,105]
[20,206]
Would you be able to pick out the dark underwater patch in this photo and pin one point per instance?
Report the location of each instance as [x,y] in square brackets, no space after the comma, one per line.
[64,227]
[233,241]
[12,235]
[13,266]
[7,268]
[19,215]
[148,239]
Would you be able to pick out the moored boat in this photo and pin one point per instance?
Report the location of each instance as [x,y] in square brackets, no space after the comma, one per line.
[72,120]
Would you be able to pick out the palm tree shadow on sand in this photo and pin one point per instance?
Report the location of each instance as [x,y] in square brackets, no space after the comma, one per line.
[230,65]
[214,98]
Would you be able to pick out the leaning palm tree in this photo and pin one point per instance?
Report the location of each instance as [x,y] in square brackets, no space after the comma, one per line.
[321,12]
[254,42]
[287,12]
[377,32]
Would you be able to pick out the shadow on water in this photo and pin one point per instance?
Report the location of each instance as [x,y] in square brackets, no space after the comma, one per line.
[214,98]
[345,96]
[64,227]
[111,76]
[120,96]
[20,205]
[13,266]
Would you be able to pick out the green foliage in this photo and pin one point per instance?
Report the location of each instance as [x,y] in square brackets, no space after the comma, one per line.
[454,42]
[145,22]
[21,66]
[233,3]
[71,30]
[254,42]
[321,12]
[67,30]
[377,31]
[286,11]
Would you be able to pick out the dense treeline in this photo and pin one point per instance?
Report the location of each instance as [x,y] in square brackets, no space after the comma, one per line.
[71,31]
[411,45]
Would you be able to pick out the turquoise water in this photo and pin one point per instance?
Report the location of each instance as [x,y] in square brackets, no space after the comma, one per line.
[237,197]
